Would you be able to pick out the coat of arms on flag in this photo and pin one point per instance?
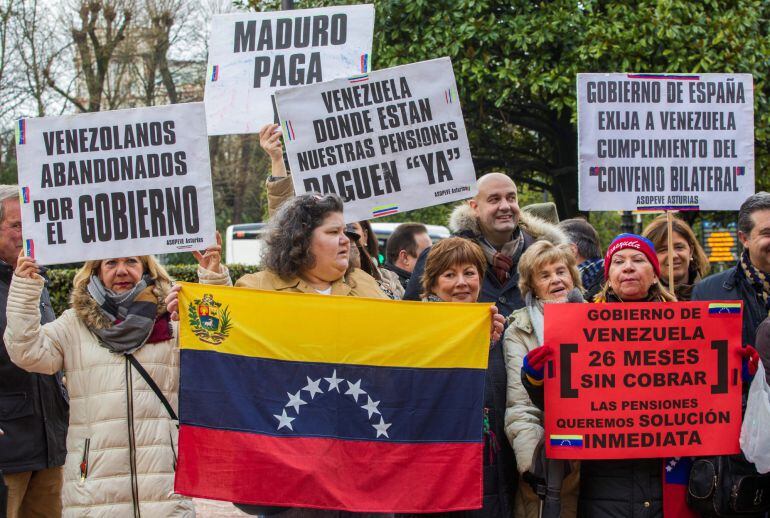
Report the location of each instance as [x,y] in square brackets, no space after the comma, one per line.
[311,405]
[209,320]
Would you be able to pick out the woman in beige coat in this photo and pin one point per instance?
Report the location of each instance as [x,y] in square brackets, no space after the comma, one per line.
[121,442]
[547,274]
[307,251]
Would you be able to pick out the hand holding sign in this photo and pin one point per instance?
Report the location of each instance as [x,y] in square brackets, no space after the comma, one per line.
[26,267]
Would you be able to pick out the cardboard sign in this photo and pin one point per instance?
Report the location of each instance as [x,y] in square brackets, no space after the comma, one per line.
[639,380]
[663,141]
[115,183]
[251,55]
[386,142]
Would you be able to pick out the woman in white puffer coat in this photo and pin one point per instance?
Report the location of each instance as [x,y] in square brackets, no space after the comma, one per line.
[121,442]
[547,275]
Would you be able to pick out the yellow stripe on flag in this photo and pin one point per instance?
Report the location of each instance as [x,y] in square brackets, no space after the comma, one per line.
[330,329]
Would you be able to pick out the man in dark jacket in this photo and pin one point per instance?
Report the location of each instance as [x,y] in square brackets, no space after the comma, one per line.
[585,244]
[33,407]
[749,279]
[404,246]
[493,220]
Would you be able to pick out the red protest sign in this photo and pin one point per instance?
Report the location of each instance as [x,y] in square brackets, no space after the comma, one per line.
[640,380]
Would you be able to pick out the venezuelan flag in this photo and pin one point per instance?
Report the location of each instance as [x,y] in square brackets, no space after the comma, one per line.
[326,402]
[725,308]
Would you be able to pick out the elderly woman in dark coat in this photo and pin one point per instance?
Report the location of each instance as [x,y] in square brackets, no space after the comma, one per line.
[615,488]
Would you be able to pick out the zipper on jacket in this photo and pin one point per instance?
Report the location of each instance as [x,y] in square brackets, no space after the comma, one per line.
[84,461]
[132,439]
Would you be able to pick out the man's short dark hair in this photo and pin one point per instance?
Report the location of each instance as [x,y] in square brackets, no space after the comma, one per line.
[755,202]
[584,236]
[402,238]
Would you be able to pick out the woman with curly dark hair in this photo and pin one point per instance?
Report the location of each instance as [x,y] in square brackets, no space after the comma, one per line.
[307,251]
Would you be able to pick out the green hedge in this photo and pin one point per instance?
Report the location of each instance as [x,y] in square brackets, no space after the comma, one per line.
[60,280]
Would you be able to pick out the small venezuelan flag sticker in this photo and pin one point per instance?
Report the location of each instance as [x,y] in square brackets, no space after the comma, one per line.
[361,78]
[30,248]
[723,309]
[568,441]
[21,132]
[384,210]
[25,194]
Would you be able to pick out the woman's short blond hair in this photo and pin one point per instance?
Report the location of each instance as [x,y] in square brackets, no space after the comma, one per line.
[543,253]
[150,264]
[448,253]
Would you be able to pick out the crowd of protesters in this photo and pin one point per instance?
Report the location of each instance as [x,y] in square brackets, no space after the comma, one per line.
[116,349]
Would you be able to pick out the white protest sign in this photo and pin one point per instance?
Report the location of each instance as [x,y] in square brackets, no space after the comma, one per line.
[665,142]
[390,141]
[253,54]
[115,183]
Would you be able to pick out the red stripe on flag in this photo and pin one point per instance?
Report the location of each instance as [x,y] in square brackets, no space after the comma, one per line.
[320,473]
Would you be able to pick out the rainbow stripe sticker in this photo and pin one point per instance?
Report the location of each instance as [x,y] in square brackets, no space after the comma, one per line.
[30,248]
[364,63]
[214,73]
[25,194]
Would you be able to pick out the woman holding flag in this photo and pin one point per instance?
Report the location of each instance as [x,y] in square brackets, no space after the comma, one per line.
[118,350]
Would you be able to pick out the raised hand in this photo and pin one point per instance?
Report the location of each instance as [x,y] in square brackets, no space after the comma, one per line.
[211,258]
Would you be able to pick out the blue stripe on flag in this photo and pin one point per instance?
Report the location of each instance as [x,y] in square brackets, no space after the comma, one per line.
[241,393]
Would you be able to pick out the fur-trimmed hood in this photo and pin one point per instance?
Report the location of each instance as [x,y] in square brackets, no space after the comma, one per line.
[91,314]
[464,221]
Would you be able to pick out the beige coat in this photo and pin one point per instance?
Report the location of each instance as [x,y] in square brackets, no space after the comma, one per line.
[111,406]
[524,421]
[354,284]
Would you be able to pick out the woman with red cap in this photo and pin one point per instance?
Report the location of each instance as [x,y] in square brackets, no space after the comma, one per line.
[612,488]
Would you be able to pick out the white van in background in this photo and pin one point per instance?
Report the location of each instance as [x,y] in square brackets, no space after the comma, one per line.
[243,242]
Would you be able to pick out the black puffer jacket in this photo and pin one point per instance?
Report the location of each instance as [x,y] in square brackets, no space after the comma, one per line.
[34,412]
[731,285]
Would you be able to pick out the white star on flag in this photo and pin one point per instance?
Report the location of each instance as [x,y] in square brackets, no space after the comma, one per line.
[382,428]
[669,468]
[371,406]
[295,401]
[314,387]
[284,420]
[334,382]
[355,389]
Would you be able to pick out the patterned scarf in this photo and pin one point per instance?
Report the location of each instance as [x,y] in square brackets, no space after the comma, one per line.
[132,315]
[757,278]
[591,271]
[502,261]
